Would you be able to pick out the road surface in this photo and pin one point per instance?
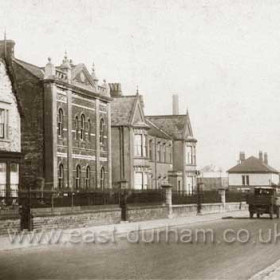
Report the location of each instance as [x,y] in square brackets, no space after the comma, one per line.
[173,258]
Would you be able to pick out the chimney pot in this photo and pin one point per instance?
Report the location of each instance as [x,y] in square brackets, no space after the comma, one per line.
[261,156]
[241,157]
[115,89]
[265,158]
[7,48]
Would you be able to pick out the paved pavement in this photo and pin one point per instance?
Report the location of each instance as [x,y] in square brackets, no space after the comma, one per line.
[118,229]
[232,257]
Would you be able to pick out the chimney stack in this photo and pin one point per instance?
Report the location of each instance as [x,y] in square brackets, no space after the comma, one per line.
[115,89]
[241,157]
[265,158]
[261,156]
[7,48]
[175,104]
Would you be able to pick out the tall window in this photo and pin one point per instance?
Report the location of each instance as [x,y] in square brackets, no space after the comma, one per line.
[78,176]
[60,123]
[102,178]
[245,180]
[61,176]
[89,129]
[151,149]
[138,180]
[189,155]
[3,179]
[164,152]
[101,131]
[77,127]
[158,151]
[82,130]
[145,143]
[88,177]
[3,124]
[138,145]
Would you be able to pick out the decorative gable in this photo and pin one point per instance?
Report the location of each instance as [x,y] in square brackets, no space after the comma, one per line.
[81,75]
[138,118]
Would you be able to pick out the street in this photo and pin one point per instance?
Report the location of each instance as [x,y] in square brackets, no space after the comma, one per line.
[159,260]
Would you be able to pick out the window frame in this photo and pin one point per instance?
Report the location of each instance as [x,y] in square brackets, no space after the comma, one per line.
[78,176]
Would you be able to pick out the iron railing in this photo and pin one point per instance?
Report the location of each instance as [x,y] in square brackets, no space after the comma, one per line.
[183,197]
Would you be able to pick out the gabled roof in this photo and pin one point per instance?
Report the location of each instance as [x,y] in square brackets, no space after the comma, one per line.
[156,131]
[122,109]
[177,126]
[252,165]
[33,69]
[126,110]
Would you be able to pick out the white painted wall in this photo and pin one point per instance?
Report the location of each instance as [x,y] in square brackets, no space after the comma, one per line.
[8,102]
[254,179]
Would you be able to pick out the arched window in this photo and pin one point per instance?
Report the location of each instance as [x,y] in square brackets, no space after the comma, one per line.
[88,177]
[77,127]
[102,178]
[60,123]
[89,129]
[83,126]
[101,131]
[78,176]
[60,176]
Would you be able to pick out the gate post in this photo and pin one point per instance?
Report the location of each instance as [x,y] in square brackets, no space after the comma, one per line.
[123,199]
[168,198]
[222,193]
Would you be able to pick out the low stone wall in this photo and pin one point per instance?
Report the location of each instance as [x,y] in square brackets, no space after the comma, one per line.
[75,218]
[146,212]
[9,219]
[11,223]
[207,208]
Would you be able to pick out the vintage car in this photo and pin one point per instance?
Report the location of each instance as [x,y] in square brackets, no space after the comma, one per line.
[264,200]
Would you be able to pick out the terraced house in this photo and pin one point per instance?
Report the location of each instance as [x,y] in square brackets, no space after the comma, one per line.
[66,126]
[10,132]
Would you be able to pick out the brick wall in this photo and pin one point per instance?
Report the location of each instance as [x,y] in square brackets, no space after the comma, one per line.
[77,219]
[30,92]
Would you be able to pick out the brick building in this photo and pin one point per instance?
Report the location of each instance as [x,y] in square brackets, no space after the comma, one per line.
[129,140]
[10,141]
[66,126]
[148,151]
[183,175]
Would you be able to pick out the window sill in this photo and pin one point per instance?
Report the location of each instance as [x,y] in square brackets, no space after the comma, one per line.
[5,140]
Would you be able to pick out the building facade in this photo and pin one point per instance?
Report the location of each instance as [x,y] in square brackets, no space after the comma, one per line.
[148,151]
[66,126]
[252,172]
[183,176]
[10,132]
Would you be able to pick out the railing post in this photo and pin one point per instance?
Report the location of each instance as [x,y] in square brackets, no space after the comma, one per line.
[222,193]
[168,198]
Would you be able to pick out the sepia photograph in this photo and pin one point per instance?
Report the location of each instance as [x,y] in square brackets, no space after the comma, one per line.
[139,139]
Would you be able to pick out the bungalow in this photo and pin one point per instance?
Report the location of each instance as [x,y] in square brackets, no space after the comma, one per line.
[252,172]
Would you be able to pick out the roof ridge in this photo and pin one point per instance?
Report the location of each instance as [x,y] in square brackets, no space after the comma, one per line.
[161,116]
[160,129]
[19,60]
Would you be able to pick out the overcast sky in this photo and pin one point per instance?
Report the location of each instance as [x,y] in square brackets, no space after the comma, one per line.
[221,57]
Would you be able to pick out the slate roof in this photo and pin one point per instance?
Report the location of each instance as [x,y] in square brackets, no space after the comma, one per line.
[33,69]
[252,165]
[122,109]
[172,124]
[156,131]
